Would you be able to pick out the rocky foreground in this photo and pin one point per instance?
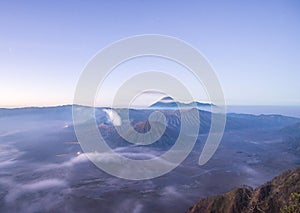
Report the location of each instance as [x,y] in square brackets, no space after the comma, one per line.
[282,194]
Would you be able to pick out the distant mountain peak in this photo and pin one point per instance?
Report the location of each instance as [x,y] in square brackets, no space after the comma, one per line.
[169,102]
[167,98]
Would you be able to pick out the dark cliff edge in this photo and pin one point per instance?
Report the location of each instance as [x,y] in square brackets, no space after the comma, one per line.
[282,194]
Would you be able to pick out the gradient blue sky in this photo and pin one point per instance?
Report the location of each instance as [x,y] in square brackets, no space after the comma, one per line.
[254,46]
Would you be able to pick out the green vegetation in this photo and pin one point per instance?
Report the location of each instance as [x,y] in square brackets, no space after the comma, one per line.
[293,205]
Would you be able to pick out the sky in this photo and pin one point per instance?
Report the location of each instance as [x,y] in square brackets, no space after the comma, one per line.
[253,46]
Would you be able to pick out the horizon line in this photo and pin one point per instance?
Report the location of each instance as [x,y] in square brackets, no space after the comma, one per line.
[140,106]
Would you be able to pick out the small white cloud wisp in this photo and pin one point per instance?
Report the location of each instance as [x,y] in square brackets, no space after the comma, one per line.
[113,117]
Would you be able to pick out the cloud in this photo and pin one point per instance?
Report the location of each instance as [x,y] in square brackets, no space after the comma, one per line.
[171,191]
[129,205]
[69,163]
[20,189]
[113,117]
[109,159]
[6,163]
[9,133]
[8,155]
[249,170]
[138,208]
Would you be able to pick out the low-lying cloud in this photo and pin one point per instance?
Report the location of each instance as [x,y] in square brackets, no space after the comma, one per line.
[20,189]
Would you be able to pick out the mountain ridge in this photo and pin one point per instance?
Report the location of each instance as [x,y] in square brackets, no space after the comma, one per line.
[168,102]
[273,196]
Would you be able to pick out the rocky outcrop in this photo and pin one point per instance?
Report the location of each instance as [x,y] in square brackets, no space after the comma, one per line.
[282,194]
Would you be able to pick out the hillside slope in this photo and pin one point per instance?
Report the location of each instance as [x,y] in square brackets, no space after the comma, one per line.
[275,195]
